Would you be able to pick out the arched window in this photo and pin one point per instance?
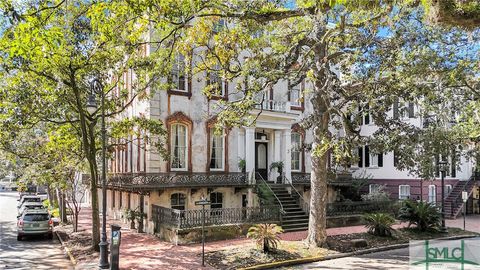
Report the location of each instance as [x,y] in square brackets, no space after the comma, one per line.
[179,147]
[296,151]
[177,201]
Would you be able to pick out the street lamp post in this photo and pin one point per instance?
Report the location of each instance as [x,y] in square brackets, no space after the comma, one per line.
[442,166]
[97,88]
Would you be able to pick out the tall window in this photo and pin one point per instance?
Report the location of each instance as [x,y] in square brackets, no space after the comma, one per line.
[179,148]
[295,95]
[215,82]
[374,188]
[178,77]
[296,151]
[403,192]
[177,201]
[217,153]
[216,200]
[448,189]
[432,194]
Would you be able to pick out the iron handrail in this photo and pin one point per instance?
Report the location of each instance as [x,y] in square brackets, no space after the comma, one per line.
[306,206]
[266,184]
[458,199]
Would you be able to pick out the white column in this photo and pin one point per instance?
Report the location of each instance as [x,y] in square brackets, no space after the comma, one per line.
[277,146]
[287,164]
[241,143]
[250,149]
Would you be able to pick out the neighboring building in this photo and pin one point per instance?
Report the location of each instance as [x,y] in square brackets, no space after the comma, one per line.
[382,171]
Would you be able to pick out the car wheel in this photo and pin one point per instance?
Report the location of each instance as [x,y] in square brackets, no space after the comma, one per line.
[19,238]
[50,236]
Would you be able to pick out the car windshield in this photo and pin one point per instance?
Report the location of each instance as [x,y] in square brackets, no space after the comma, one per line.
[32,200]
[36,217]
[34,206]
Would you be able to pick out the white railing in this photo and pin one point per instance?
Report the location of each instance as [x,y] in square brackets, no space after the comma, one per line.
[274,105]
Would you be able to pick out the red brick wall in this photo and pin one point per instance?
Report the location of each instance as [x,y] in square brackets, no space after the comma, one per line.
[392,187]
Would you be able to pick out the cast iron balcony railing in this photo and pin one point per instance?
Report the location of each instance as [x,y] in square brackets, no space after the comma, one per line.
[300,178]
[140,181]
[185,219]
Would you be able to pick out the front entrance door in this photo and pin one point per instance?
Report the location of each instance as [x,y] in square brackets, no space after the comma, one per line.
[261,159]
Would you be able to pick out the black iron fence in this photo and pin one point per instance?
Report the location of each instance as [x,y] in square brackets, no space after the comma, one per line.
[176,179]
[184,219]
[351,208]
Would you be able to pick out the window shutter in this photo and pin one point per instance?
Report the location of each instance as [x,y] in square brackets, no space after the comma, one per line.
[367,156]
[367,115]
[395,158]
[360,157]
[411,110]
[395,108]
[380,159]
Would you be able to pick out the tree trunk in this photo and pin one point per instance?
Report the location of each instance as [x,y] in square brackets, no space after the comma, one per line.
[317,225]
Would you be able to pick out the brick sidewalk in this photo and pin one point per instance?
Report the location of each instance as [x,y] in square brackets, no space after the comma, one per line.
[145,251]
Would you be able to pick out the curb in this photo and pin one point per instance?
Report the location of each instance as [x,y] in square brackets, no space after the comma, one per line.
[66,249]
[343,255]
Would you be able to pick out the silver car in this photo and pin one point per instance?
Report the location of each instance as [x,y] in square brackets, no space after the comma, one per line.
[35,222]
[30,206]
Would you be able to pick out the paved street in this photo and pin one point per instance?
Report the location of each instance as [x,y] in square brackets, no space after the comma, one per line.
[31,253]
[391,260]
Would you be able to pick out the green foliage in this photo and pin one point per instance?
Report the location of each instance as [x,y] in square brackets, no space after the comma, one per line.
[377,195]
[265,194]
[277,165]
[266,236]
[379,223]
[423,214]
[242,164]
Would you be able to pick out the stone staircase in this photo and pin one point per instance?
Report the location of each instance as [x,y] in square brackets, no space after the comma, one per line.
[454,202]
[294,218]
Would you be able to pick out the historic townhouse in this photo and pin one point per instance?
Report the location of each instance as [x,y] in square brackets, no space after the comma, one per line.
[233,168]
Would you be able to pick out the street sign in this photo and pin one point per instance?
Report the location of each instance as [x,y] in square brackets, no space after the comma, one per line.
[203,202]
[464,196]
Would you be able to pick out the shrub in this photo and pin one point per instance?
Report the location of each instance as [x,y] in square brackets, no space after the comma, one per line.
[265,194]
[423,214]
[265,235]
[379,223]
[377,195]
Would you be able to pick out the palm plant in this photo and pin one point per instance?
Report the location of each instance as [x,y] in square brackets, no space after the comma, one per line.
[265,235]
[379,223]
[424,215]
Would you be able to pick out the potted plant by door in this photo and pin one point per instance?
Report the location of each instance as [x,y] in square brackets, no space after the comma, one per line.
[279,166]
[130,215]
[242,165]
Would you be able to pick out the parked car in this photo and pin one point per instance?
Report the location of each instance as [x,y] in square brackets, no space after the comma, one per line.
[35,222]
[28,198]
[30,206]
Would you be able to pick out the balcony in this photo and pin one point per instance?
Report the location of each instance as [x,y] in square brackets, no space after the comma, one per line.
[148,181]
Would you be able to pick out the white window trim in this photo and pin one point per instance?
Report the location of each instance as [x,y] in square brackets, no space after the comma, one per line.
[300,160]
[434,194]
[187,139]
[223,151]
[400,197]
[373,160]
[446,190]
[372,185]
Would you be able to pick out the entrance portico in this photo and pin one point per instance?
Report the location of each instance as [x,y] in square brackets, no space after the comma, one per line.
[269,141]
